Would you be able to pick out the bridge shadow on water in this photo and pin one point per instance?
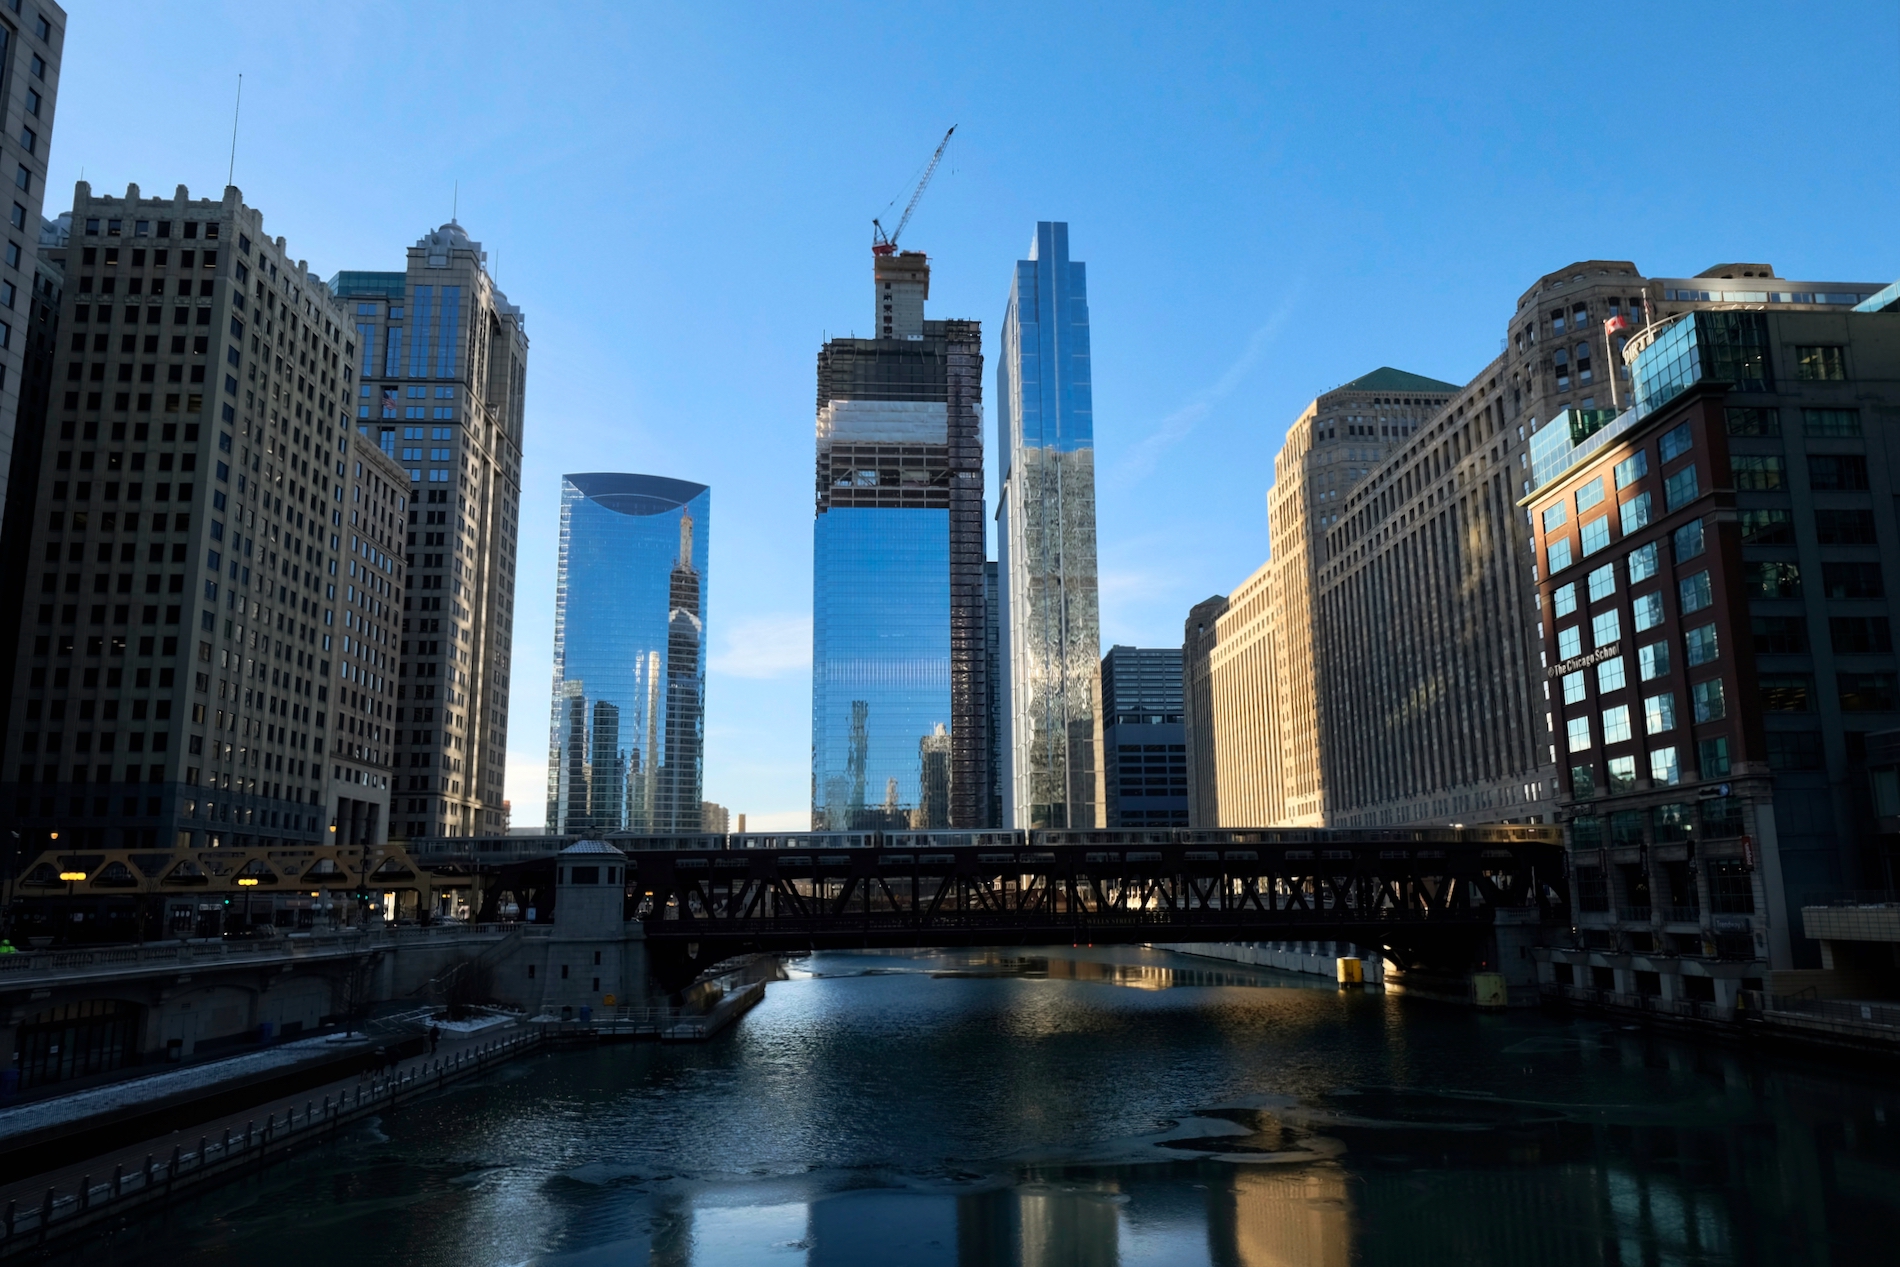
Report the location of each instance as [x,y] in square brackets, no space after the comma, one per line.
[1091,1106]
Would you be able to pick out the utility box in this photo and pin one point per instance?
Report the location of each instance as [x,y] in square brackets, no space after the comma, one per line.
[1351,971]
[1488,989]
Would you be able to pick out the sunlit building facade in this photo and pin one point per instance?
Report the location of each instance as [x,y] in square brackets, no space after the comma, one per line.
[1050,618]
[626,741]
[900,697]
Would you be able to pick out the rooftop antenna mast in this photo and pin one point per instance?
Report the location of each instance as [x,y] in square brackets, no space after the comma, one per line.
[881,244]
[231,174]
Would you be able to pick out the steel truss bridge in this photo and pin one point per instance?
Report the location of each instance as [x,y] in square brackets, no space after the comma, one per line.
[1428,898]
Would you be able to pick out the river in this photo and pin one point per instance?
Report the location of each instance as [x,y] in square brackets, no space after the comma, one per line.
[1090,1106]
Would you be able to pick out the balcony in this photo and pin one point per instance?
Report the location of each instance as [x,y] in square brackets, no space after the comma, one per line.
[1682,915]
[1633,914]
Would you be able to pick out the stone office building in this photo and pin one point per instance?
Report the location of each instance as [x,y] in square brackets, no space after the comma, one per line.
[442,391]
[1429,631]
[208,638]
[1717,624]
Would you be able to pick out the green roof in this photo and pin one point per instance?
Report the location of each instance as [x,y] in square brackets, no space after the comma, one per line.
[1387,379]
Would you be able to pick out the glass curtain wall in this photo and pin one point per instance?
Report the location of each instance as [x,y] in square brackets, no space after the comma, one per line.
[628,721]
[1046,542]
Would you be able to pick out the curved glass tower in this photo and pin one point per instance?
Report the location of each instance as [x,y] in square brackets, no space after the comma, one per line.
[627,732]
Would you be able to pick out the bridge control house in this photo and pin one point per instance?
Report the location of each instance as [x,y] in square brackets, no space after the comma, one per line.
[1713,567]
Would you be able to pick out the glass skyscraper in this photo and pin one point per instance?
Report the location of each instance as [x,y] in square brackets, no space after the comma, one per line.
[628,726]
[1049,623]
[899,670]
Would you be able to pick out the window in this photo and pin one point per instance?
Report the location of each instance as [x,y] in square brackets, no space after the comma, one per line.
[1838,423]
[1675,443]
[1569,643]
[1786,692]
[1706,697]
[1564,601]
[1851,634]
[1622,774]
[1559,555]
[1635,513]
[1837,472]
[1820,365]
[1590,494]
[1768,527]
[1663,767]
[1753,422]
[1688,541]
[1595,535]
[1609,675]
[1592,893]
[1582,780]
[1700,645]
[1757,472]
[1659,713]
[1866,692]
[1680,489]
[1844,527]
[1616,724]
[1712,758]
[1772,580]
[1694,592]
[1780,635]
[1653,661]
[1632,468]
[1605,628]
[1556,517]
[1649,610]
[33,102]
[1603,582]
[1574,688]
[28,139]
[1851,580]
[1643,563]
[1794,749]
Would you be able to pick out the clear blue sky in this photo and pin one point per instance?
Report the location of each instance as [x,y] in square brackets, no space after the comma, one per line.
[1271,199]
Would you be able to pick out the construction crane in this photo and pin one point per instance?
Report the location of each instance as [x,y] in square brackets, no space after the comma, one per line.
[881,244]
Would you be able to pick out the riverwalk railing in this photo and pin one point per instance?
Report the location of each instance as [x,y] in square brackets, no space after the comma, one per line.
[65,964]
[26,1225]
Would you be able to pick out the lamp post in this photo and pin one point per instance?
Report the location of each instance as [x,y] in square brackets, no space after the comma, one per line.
[247,883]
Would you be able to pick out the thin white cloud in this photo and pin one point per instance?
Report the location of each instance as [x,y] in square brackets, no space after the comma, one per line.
[768,646]
[1143,455]
[527,787]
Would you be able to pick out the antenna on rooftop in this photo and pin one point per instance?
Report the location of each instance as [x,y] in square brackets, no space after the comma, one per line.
[455,205]
[231,174]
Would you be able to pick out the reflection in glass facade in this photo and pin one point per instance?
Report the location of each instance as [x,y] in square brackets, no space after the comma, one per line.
[900,695]
[881,669]
[627,733]
[1050,620]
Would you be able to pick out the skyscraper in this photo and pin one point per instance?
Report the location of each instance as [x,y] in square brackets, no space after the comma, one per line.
[1144,740]
[443,370]
[208,654]
[1045,543]
[29,69]
[628,728]
[899,690]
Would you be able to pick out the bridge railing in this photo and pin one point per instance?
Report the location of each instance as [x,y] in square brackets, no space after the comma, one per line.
[61,962]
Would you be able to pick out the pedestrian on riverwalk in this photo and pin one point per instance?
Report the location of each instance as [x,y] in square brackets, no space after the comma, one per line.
[435,1038]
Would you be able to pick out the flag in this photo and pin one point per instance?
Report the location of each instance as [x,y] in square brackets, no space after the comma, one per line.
[1615,324]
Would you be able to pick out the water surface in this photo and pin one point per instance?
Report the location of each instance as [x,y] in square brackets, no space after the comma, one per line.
[1087,1107]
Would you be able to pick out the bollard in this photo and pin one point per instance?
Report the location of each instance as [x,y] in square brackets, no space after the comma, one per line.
[147,1178]
[171,1171]
[118,1181]
[46,1214]
[85,1194]
[225,1151]
[247,1134]
[204,1145]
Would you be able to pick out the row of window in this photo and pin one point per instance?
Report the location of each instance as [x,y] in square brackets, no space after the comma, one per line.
[1827,472]
[114,227]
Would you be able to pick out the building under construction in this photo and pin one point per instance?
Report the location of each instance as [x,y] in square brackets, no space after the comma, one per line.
[900,724]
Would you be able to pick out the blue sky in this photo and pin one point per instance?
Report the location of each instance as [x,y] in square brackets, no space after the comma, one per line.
[1271,199]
